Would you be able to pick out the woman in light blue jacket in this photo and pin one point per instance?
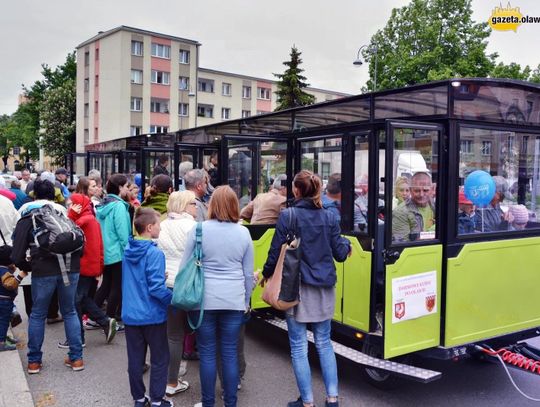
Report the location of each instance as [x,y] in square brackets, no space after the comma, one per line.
[227,257]
[113,217]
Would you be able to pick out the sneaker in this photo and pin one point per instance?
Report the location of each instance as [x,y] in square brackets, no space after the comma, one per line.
[163,403]
[5,346]
[34,367]
[296,403]
[331,403]
[145,403]
[197,405]
[54,320]
[75,365]
[191,355]
[65,345]
[120,327]
[12,340]
[180,387]
[110,330]
[90,325]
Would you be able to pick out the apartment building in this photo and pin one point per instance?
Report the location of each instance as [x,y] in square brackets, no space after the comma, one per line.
[132,81]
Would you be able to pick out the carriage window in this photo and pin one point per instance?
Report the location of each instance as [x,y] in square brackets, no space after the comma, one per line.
[240,171]
[499,187]
[273,163]
[361,177]
[414,178]
[323,157]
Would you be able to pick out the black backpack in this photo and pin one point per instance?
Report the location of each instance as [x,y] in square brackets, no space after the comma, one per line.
[58,235]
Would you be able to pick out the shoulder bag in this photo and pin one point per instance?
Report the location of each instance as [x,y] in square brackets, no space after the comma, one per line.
[282,288]
[188,291]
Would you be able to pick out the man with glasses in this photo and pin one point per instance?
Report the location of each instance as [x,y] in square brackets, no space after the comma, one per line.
[415,217]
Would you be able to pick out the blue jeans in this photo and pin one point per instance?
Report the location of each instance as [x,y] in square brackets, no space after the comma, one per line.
[225,325]
[42,291]
[6,307]
[299,355]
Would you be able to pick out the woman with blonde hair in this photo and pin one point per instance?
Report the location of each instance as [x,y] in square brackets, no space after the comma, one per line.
[181,212]
[228,281]
[321,243]
[402,191]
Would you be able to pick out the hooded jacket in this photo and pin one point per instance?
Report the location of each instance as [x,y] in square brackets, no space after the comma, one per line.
[92,259]
[113,217]
[157,202]
[145,295]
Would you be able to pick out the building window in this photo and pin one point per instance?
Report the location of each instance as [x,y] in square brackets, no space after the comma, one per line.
[97,54]
[206,85]
[158,129]
[96,81]
[161,51]
[246,113]
[162,78]
[466,146]
[96,133]
[183,83]
[184,56]
[246,92]
[226,89]
[136,105]
[137,48]
[159,106]
[86,110]
[136,76]
[225,113]
[96,105]
[205,110]
[86,84]
[87,58]
[486,148]
[135,130]
[86,136]
[263,93]
[183,109]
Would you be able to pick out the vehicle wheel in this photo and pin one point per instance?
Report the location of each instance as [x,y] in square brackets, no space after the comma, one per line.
[380,379]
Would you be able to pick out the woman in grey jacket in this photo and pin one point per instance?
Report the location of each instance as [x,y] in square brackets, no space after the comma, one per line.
[321,243]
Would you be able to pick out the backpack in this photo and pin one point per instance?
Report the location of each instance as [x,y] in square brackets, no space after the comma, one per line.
[58,235]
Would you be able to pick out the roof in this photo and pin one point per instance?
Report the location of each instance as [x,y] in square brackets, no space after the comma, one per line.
[254,78]
[103,34]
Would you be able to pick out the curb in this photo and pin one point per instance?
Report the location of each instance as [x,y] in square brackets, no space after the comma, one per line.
[14,390]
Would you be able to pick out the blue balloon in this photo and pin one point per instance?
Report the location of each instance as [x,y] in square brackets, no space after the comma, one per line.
[479,188]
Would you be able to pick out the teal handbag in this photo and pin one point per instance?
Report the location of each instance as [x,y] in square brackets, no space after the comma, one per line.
[188,290]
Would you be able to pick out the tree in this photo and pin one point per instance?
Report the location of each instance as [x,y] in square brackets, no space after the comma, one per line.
[510,71]
[291,83]
[429,40]
[57,114]
[25,126]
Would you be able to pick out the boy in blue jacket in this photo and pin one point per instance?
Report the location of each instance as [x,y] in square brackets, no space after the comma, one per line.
[144,310]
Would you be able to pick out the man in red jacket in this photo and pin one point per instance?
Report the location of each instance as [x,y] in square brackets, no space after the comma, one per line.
[91,266]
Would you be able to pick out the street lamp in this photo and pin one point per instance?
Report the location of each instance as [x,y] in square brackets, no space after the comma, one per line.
[370,50]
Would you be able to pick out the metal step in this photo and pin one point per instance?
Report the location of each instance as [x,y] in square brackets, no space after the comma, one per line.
[408,371]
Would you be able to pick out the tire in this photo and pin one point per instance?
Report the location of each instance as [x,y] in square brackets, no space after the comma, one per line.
[380,379]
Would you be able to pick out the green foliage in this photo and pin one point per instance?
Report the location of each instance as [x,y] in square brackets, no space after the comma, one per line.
[291,83]
[429,40]
[57,113]
[23,130]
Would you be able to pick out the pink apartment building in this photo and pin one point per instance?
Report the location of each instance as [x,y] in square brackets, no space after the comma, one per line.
[132,81]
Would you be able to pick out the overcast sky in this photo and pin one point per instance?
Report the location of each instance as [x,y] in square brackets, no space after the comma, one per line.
[250,37]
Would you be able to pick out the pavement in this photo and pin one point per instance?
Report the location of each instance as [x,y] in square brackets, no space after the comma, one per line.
[14,390]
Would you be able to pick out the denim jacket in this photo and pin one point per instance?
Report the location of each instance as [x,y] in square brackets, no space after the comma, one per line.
[320,242]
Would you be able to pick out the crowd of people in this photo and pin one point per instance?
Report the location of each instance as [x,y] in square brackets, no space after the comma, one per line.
[120,274]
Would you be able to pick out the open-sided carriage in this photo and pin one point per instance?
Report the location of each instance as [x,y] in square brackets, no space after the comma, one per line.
[439,291]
